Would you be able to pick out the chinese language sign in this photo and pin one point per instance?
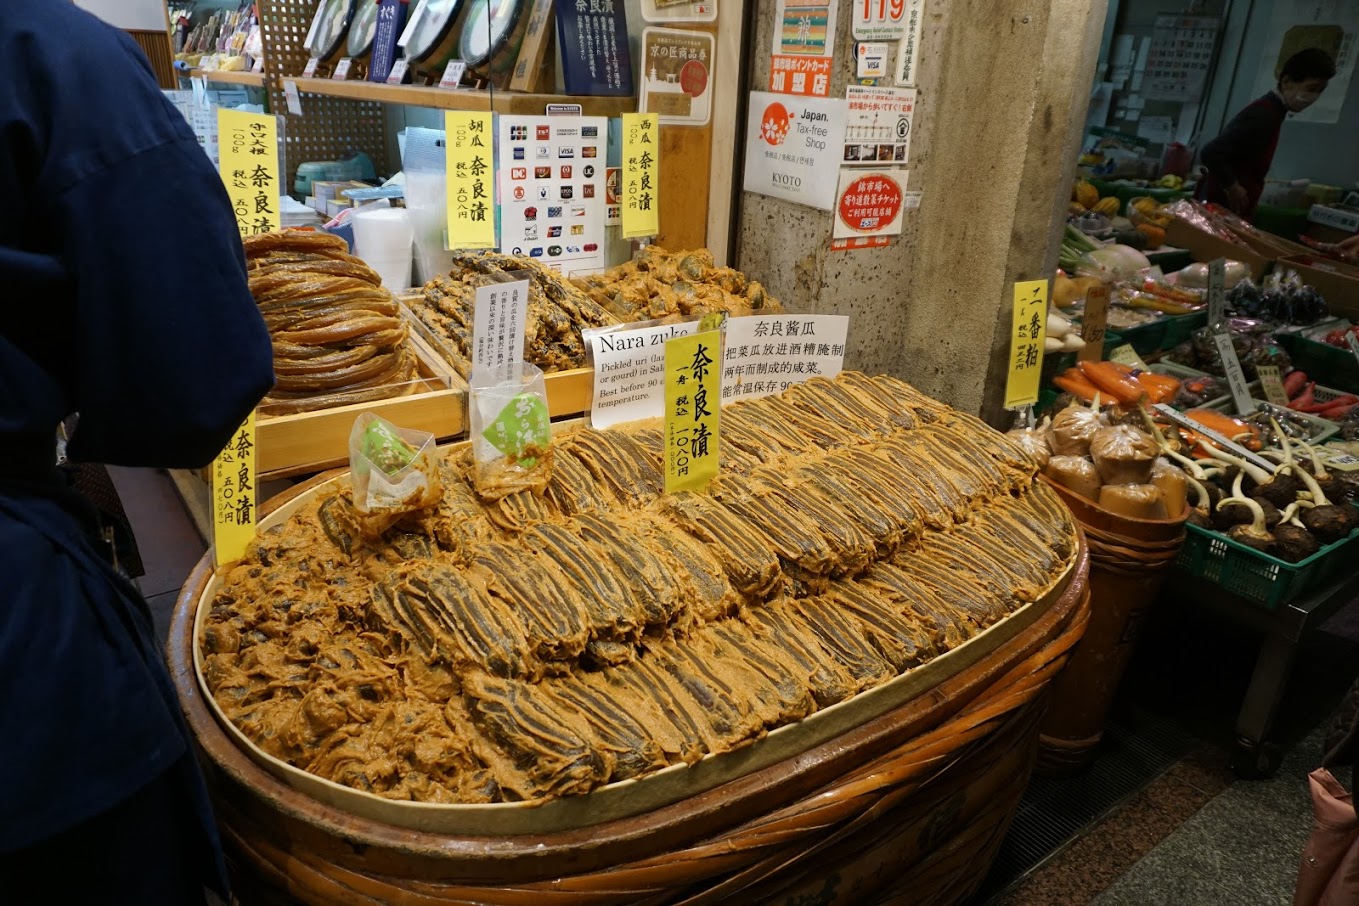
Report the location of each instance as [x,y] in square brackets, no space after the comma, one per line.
[552,201]
[791,146]
[877,125]
[677,75]
[692,407]
[233,495]
[641,150]
[804,43]
[471,204]
[498,321]
[248,144]
[766,353]
[1026,343]
[629,368]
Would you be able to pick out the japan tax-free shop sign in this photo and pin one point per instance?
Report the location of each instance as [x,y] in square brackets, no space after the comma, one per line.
[793,147]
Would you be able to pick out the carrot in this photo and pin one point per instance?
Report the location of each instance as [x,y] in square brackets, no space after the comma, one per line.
[1159,387]
[1114,381]
[1234,429]
[1295,382]
[1073,382]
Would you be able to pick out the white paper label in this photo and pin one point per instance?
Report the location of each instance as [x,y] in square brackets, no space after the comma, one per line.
[766,353]
[453,74]
[310,69]
[911,200]
[630,371]
[908,48]
[397,75]
[498,325]
[880,20]
[1236,378]
[293,98]
[342,69]
[1272,382]
[1217,293]
[1126,355]
[877,126]
[792,144]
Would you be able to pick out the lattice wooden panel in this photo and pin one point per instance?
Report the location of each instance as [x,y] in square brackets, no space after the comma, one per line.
[328,127]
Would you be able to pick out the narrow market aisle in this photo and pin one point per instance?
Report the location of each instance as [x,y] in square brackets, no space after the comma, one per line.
[1160,819]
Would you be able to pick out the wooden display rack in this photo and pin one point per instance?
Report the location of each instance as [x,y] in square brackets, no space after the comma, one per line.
[459,98]
[248,79]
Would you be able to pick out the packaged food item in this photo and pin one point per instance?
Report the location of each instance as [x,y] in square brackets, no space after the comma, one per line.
[393,470]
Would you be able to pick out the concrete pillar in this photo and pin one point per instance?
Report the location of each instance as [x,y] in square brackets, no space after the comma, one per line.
[1004,86]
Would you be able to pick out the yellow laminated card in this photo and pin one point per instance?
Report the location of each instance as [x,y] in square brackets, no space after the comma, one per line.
[471,201]
[233,495]
[641,175]
[247,146]
[1026,343]
[693,393]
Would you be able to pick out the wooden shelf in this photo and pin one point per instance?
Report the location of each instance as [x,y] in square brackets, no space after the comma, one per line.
[461,98]
[249,79]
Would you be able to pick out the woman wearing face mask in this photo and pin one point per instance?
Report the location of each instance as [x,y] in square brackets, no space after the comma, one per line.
[1238,159]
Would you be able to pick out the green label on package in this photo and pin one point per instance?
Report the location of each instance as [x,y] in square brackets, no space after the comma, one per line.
[523,426]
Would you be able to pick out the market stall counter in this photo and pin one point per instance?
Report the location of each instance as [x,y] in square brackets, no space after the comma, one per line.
[869,733]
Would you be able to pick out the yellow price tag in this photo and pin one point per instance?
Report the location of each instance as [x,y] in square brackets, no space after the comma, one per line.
[1126,355]
[471,201]
[233,495]
[693,393]
[641,175]
[247,146]
[1026,343]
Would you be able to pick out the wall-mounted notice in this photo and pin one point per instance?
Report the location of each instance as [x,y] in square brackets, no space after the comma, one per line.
[677,75]
[248,149]
[877,125]
[766,353]
[551,172]
[791,146]
[804,45]
[880,20]
[869,203]
[908,48]
[471,202]
[679,10]
[629,370]
[498,321]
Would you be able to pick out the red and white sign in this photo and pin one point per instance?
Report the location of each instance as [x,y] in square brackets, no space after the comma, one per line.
[880,20]
[869,203]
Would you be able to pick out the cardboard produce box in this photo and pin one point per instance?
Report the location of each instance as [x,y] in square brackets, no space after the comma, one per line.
[1338,283]
[1206,247]
[1270,246]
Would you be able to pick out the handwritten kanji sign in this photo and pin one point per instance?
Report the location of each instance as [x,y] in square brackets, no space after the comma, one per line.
[248,163]
[1026,343]
[641,175]
[233,495]
[471,203]
[693,388]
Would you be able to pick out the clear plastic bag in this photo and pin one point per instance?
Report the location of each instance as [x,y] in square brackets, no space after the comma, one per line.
[394,472]
[511,430]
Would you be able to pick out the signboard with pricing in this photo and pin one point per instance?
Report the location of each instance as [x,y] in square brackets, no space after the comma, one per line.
[233,495]
[693,381]
[1029,330]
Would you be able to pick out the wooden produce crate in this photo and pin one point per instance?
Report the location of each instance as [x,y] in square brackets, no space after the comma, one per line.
[307,442]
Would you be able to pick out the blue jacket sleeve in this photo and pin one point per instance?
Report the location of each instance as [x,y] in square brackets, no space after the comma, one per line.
[170,350]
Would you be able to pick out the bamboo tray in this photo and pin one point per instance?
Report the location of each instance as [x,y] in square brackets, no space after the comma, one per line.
[925,788]
[309,442]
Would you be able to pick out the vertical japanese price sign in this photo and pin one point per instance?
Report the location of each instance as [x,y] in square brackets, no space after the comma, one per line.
[1026,343]
[693,386]
[471,211]
[641,167]
[233,495]
[248,163]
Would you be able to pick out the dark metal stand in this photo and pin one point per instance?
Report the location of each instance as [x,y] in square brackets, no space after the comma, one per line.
[1283,628]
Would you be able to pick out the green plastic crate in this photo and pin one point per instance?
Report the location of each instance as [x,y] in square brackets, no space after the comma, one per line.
[1144,338]
[1324,363]
[1259,578]
[1180,328]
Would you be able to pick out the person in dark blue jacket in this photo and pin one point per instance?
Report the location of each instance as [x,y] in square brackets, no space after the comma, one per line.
[123,298]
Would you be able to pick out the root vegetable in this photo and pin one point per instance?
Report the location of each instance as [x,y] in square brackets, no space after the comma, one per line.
[1292,542]
[1327,522]
[1253,534]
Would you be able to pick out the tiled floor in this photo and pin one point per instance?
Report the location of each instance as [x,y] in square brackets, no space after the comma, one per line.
[1192,836]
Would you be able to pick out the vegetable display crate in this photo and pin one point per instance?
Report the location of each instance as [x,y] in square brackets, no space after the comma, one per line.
[1327,364]
[1320,428]
[1259,578]
[1180,328]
